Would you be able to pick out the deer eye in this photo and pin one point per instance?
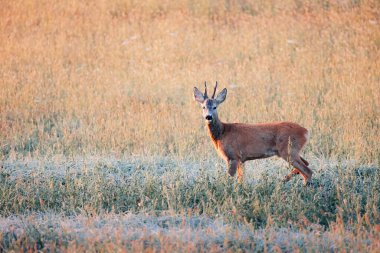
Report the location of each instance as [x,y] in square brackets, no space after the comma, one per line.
[204,107]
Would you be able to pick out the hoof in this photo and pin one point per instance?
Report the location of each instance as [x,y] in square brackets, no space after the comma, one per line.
[307,183]
[231,172]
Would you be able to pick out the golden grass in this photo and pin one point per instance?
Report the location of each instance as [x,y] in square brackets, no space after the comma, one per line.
[85,78]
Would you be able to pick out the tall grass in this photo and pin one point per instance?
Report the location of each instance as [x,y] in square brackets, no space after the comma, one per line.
[99,130]
[117,76]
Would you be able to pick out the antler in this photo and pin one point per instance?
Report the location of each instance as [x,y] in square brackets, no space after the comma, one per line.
[205,95]
[216,85]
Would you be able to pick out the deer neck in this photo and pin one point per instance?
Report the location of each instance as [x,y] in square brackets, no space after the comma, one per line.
[215,129]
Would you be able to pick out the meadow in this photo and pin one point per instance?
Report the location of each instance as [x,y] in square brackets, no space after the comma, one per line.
[103,149]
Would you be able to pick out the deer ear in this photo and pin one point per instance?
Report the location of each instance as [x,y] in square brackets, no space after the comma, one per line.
[221,96]
[198,96]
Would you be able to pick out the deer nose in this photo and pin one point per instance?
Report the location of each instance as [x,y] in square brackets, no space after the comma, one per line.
[209,117]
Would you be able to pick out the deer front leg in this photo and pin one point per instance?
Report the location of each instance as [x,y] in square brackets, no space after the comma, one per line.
[232,167]
[240,173]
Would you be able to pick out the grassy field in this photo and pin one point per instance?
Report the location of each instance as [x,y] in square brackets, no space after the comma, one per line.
[103,148]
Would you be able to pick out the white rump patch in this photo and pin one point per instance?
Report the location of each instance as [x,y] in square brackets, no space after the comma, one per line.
[307,136]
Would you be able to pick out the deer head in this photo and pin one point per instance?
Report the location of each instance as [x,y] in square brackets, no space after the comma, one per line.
[210,105]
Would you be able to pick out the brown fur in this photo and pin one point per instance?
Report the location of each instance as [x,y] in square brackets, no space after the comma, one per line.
[243,142]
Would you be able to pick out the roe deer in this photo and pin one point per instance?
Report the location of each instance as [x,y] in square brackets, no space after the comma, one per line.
[237,142]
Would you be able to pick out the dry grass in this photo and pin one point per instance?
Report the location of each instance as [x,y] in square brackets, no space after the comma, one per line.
[87,79]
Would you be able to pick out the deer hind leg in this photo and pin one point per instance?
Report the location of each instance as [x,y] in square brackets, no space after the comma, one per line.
[291,174]
[304,161]
[300,167]
[294,171]
[306,164]
[305,171]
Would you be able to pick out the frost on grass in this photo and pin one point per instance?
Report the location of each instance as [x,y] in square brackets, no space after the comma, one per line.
[162,202]
[166,232]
